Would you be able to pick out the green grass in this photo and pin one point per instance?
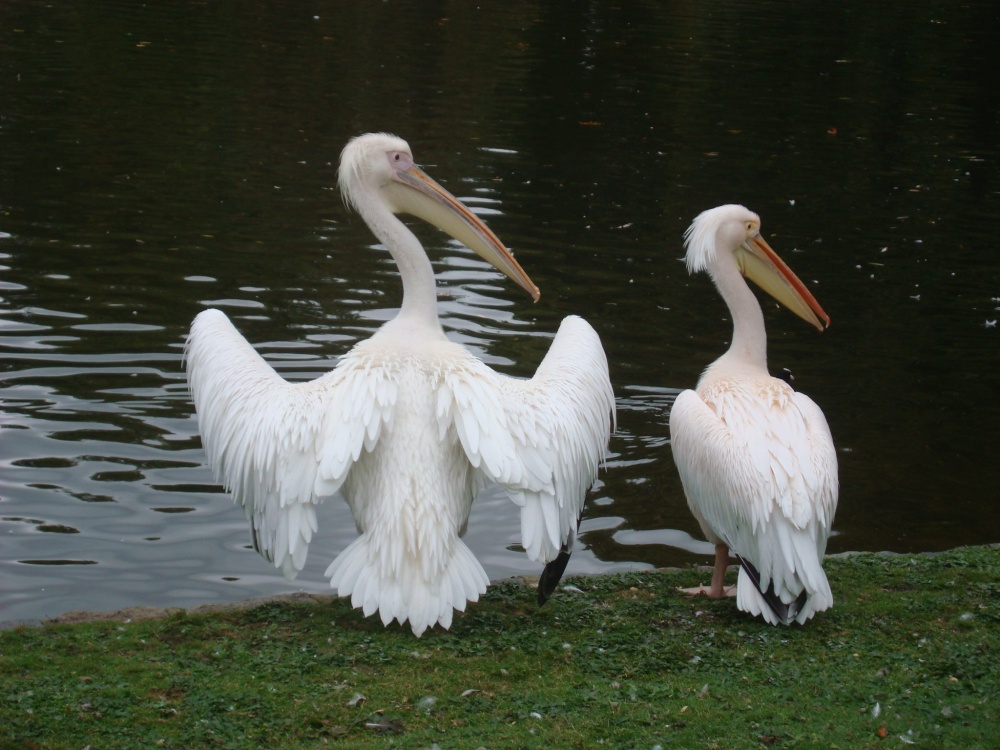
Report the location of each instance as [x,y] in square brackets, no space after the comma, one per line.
[907,655]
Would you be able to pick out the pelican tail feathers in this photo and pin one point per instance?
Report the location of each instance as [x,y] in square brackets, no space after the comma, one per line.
[405,593]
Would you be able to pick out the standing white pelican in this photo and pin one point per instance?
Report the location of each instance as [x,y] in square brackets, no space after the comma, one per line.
[756,459]
[409,426]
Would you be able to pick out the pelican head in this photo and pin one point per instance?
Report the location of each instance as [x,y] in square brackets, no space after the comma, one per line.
[736,229]
[377,170]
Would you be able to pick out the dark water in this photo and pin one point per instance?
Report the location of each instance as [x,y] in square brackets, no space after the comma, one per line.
[156,160]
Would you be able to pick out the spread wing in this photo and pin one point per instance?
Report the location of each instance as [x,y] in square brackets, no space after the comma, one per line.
[280,448]
[541,439]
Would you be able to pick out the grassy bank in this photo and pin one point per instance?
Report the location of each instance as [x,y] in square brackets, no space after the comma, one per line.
[909,655]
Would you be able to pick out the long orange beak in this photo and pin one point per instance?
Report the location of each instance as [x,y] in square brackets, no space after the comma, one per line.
[759,263]
[414,192]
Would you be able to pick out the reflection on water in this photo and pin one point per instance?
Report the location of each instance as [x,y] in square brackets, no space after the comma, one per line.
[155,161]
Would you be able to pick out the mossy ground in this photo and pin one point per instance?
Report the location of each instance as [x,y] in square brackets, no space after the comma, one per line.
[907,656]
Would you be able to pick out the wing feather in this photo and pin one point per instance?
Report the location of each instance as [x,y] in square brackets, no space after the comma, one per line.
[542,439]
[280,448]
[760,474]
[821,473]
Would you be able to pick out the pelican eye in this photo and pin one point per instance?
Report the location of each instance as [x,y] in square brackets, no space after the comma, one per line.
[400,160]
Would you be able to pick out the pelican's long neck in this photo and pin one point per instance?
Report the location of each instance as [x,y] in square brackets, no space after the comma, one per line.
[749,344]
[419,289]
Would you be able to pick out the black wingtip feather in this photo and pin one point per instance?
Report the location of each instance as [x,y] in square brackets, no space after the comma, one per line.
[785,612]
[552,573]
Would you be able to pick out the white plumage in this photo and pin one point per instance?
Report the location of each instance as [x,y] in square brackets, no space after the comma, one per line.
[756,458]
[408,426]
